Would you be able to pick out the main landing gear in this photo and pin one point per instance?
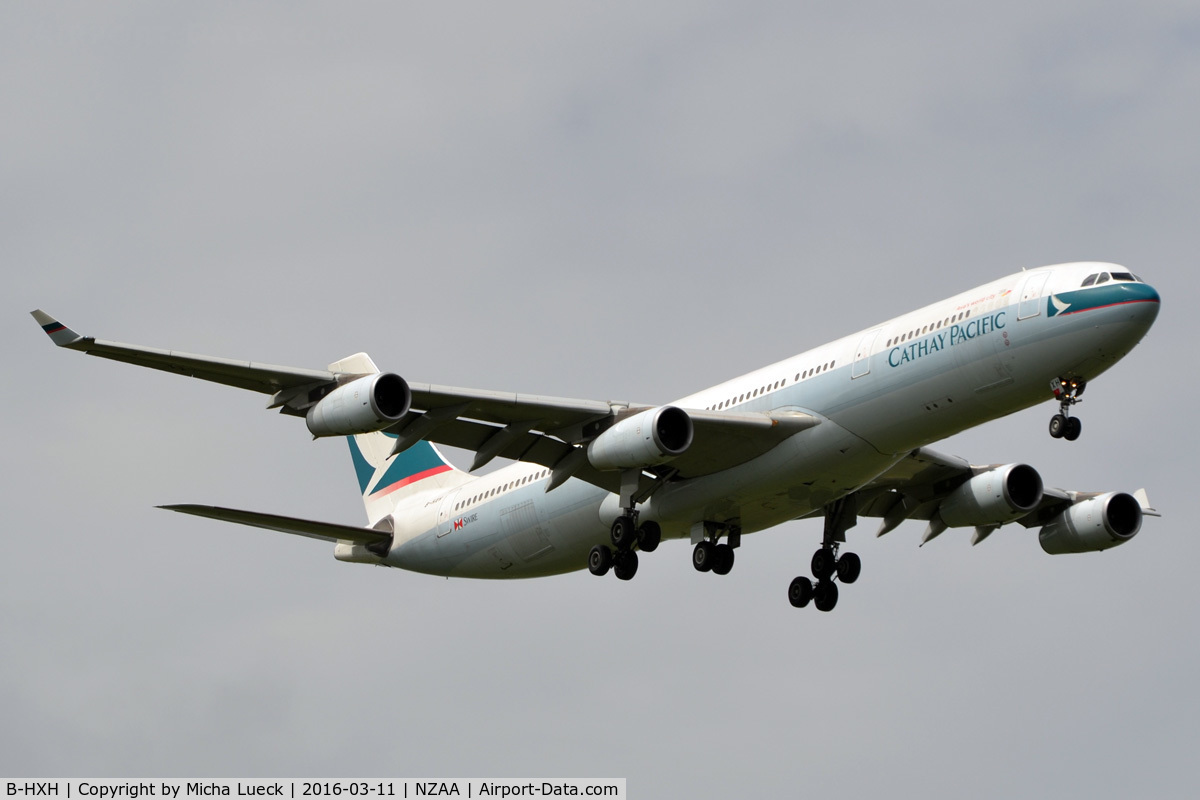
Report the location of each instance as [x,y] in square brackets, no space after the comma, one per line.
[710,556]
[1067,391]
[826,563]
[625,535]
[621,558]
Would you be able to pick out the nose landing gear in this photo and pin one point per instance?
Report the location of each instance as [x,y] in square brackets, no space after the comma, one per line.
[1067,391]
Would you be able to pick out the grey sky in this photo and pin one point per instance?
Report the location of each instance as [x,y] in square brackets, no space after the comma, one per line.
[603,201]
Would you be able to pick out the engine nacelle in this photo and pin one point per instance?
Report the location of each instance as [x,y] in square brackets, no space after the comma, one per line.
[994,497]
[361,406]
[1097,523]
[643,440]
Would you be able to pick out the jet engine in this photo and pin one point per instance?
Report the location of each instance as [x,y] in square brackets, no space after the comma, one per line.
[994,497]
[1097,523]
[361,406]
[643,440]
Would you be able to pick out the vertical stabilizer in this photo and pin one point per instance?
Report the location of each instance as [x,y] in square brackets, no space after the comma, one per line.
[383,479]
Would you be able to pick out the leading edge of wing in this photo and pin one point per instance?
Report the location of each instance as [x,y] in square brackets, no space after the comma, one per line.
[327,531]
[266,378]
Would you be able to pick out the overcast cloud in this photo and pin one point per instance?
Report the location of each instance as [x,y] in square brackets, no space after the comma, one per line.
[608,201]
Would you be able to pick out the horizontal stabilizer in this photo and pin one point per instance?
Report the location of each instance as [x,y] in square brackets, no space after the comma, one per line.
[327,531]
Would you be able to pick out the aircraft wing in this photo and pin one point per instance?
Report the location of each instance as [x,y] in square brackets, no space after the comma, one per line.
[256,377]
[915,487]
[551,431]
[721,440]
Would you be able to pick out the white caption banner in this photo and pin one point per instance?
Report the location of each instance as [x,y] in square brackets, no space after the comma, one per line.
[292,789]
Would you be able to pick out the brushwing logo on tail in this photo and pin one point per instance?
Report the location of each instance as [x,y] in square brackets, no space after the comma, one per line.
[403,469]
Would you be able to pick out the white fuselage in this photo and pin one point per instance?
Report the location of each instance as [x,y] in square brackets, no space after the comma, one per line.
[878,393]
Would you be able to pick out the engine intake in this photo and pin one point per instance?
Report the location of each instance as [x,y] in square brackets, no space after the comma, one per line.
[994,497]
[1098,523]
[643,440]
[361,406]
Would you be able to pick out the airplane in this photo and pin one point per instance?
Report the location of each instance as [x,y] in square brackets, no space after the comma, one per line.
[838,432]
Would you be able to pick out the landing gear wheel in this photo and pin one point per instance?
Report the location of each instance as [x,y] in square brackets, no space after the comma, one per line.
[1058,426]
[823,564]
[648,537]
[703,556]
[722,559]
[800,592]
[1074,428]
[623,533]
[625,564]
[825,596]
[600,560]
[848,568]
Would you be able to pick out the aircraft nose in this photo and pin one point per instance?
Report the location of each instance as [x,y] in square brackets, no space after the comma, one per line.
[1143,301]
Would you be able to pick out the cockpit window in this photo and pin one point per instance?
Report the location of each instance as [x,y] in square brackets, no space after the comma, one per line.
[1103,278]
[1123,276]
[1090,279]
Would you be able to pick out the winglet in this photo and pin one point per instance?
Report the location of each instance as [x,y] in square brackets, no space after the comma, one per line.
[1144,502]
[60,334]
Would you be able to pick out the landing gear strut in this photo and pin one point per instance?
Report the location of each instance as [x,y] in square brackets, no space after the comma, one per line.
[1067,391]
[826,563]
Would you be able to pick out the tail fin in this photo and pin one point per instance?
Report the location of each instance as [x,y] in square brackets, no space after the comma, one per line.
[384,479]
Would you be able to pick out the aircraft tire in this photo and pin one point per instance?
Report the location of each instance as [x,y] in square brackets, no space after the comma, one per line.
[825,596]
[599,560]
[823,564]
[703,556]
[722,559]
[625,565]
[649,535]
[1074,428]
[800,592]
[623,533]
[849,566]
[1058,426]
